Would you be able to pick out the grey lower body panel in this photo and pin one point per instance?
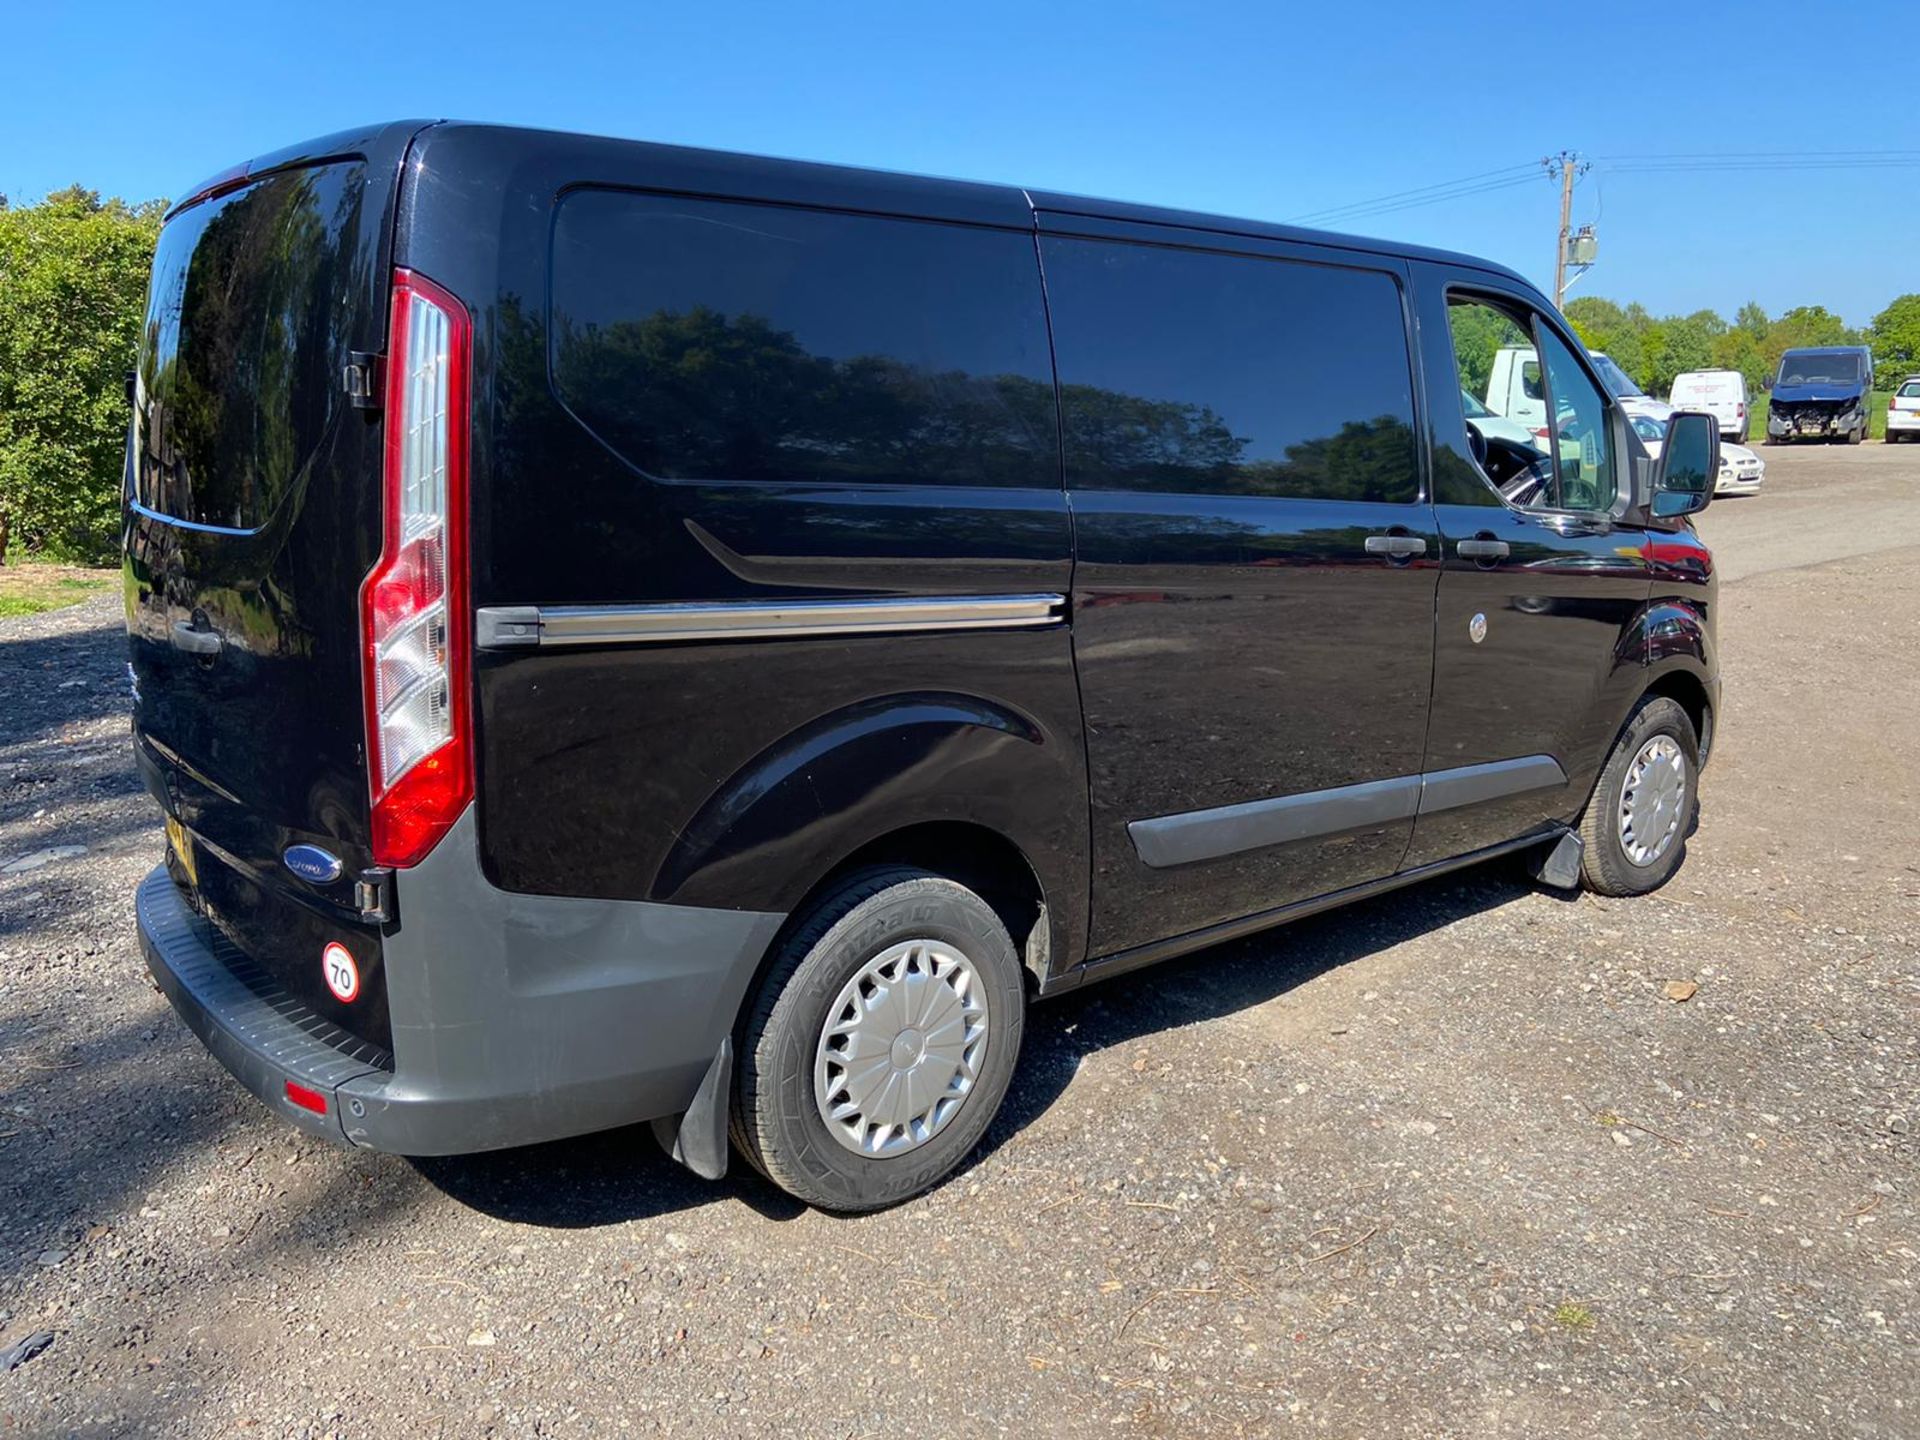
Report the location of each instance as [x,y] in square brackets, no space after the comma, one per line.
[516,1018]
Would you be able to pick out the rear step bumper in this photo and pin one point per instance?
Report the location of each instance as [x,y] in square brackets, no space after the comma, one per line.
[516,1018]
[266,1039]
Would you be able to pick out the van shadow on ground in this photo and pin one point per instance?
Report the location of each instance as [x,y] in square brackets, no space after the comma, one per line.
[623,1175]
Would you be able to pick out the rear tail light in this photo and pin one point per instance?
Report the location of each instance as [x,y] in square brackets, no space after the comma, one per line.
[413,607]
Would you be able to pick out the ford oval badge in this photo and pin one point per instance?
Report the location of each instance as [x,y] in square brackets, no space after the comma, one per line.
[311,863]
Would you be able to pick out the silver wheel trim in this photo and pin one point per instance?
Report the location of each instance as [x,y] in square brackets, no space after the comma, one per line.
[1653,801]
[901,1049]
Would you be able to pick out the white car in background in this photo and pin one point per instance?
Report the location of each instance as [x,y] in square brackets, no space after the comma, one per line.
[1741,471]
[1634,401]
[1903,411]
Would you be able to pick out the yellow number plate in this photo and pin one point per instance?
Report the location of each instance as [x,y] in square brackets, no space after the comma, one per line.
[182,849]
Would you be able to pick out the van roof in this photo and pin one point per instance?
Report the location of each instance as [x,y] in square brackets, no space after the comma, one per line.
[914,193]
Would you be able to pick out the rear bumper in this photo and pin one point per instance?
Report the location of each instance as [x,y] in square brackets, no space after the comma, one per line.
[264,1036]
[1903,421]
[516,1018]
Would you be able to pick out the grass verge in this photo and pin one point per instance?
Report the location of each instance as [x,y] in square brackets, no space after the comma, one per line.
[28,589]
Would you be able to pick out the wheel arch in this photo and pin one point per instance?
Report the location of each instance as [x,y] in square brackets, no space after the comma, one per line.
[1690,692]
[955,784]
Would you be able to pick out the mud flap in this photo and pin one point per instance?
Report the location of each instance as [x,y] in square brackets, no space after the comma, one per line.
[1558,865]
[698,1138]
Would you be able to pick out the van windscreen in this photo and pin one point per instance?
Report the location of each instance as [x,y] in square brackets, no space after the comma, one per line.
[242,346]
[1819,367]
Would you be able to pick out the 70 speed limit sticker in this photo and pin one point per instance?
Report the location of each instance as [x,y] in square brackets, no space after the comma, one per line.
[342,974]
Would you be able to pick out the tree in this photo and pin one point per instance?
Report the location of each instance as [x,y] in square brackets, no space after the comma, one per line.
[1895,336]
[1679,344]
[73,280]
[1622,333]
[1740,349]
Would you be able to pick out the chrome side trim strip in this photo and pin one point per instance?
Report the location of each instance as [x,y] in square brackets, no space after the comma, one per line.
[1254,824]
[517,626]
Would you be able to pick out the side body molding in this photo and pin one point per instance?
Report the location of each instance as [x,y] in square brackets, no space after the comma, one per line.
[1170,840]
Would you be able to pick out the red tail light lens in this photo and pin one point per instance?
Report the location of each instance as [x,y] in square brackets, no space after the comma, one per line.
[413,607]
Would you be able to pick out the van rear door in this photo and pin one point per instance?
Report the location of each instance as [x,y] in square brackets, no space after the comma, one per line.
[254,514]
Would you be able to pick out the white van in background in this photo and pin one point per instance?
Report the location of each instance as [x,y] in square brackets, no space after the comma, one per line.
[1722,393]
[1513,388]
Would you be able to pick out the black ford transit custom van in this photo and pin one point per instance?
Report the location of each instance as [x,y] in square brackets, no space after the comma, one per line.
[629,633]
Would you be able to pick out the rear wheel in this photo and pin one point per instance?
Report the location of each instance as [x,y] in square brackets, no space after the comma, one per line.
[882,1041]
[1635,827]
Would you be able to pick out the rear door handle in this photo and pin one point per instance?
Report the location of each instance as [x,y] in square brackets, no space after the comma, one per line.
[1483,549]
[1396,545]
[195,642]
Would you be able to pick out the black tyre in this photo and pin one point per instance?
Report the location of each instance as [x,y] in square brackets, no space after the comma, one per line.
[881,1042]
[1636,824]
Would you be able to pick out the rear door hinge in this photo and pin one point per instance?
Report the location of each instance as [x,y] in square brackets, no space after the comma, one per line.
[360,377]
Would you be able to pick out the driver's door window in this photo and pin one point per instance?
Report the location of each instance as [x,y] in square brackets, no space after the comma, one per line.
[1536,425]
[1583,448]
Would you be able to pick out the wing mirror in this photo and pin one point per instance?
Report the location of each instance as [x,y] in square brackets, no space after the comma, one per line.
[1689,464]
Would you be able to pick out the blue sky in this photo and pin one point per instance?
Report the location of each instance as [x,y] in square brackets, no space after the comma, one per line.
[1262,110]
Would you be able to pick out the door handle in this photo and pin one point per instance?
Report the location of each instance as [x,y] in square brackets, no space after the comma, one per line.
[1483,548]
[1397,546]
[195,642]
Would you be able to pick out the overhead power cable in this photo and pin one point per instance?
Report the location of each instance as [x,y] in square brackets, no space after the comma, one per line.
[1508,177]
[1422,194]
[1461,194]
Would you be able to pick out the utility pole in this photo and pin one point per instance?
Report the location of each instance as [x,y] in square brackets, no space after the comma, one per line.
[1566,167]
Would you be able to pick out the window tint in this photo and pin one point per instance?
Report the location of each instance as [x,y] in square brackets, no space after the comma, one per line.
[707,340]
[1226,374]
[1910,390]
[1583,446]
[241,349]
[1572,471]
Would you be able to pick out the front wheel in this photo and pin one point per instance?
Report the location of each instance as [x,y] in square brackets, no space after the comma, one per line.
[1635,827]
[882,1041]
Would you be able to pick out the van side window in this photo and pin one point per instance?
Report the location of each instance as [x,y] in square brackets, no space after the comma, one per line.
[1583,448]
[713,341]
[1539,432]
[1225,374]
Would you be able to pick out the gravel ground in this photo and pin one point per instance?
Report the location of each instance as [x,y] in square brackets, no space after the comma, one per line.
[1457,1163]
